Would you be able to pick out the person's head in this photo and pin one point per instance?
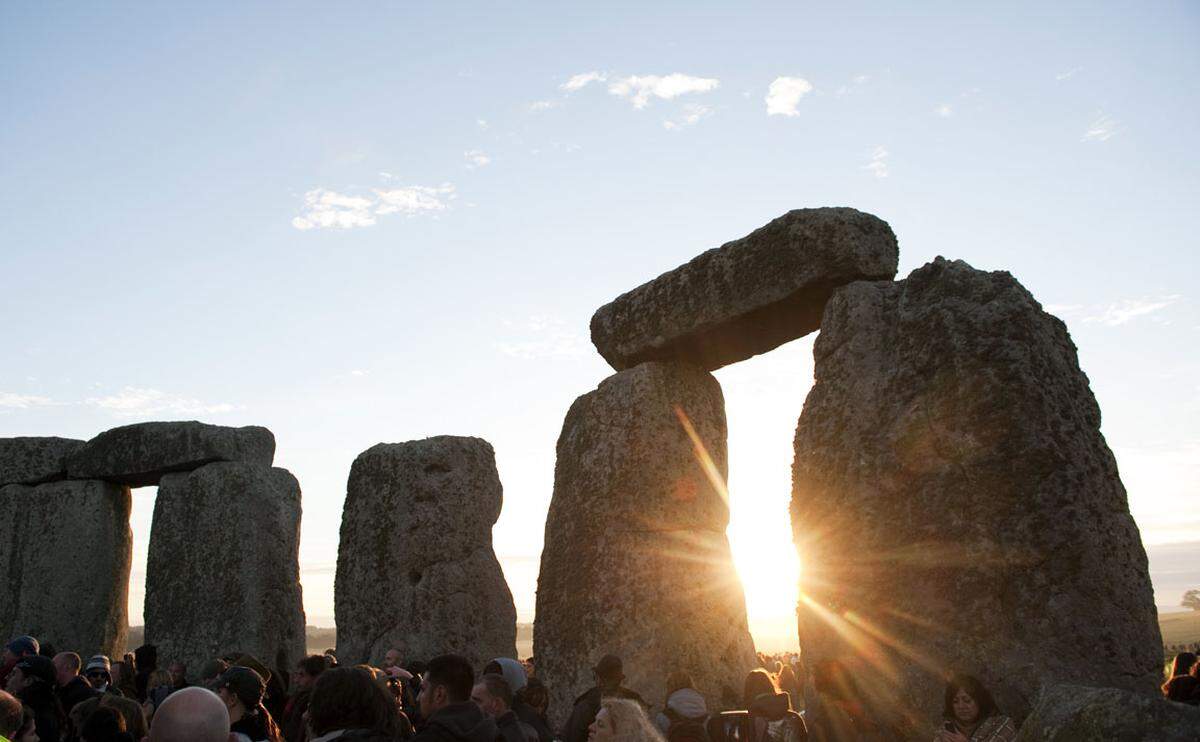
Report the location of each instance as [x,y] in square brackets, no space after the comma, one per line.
[98,672]
[178,672]
[307,671]
[393,658]
[212,670]
[241,689]
[330,658]
[535,695]
[622,720]
[1183,664]
[10,715]
[193,714]
[118,670]
[609,672]
[967,701]
[146,657]
[349,698]
[448,679]
[513,672]
[102,725]
[757,683]
[21,646]
[787,676]
[66,667]
[492,694]
[31,670]
[158,679]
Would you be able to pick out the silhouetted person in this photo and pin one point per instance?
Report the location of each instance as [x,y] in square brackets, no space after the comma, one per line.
[32,682]
[307,670]
[191,715]
[493,695]
[683,705]
[72,687]
[347,703]
[242,689]
[515,675]
[105,725]
[609,673]
[21,646]
[445,703]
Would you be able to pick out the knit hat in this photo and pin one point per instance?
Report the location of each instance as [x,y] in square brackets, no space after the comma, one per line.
[244,683]
[23,645]
[98,662]
[37,666]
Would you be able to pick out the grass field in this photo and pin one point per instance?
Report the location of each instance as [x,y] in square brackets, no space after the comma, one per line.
[1180,628]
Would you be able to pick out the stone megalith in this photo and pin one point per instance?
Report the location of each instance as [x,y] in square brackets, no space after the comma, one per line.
[222,574]
[140,454]
[416,570]
[64,564]
[636,562]
[955,505]
[1073,713]
[33,460]
[747,296]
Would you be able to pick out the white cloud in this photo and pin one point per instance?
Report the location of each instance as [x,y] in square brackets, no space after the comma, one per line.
[1101,130]
[23,401]
[860,79]
[878,164]
[691,115]
[476,158]
[944,110]
[482,124]
[784,95]
[328,209]
[1068,74]
[543,337]
[582,80]
[542,105]
[1122,312]
[639,89]
[138,401]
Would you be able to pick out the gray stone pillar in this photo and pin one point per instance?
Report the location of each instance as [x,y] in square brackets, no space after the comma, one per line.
[636,562]
[416,570]
[955,505]
[222,574]
[64,564]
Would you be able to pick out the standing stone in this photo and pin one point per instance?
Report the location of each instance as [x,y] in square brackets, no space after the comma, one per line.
[1073,713]
[140,454]
[955,505]
[415,569]
[222,574]
[35,460]
[636,562]
[747,296]
[64,564]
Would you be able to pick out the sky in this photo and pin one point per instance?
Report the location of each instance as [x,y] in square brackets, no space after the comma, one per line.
[376,222]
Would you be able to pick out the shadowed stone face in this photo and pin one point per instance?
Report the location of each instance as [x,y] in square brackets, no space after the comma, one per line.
[35,460]
[64,564]
[1072,712]
[636,562]
[416,570]
[139,455]
[747,296]
[955,505]
[222,574]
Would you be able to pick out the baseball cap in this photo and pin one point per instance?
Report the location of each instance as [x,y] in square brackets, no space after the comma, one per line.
[37,666]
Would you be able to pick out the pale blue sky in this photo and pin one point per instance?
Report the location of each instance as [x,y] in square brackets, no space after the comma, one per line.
[159,162]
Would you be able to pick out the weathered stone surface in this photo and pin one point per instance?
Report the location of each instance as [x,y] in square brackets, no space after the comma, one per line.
[636,562]
[33,460]
[955,504]
[140,454]
[222,574]
[64,564]
[747,296]
[416,569]
[1073,713]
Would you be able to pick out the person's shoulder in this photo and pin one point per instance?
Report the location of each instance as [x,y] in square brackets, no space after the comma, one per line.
[591,695]
[632,695]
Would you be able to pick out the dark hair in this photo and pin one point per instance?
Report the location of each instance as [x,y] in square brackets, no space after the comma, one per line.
[1181,688]
[757,683]
[1183,664]
[349,698]
[146,657]
[454,673]
[498,687]
[314,664]
[535,694]
[102,724]
[973,688]
[10,715]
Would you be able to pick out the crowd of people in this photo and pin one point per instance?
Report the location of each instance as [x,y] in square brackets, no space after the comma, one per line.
[58,697]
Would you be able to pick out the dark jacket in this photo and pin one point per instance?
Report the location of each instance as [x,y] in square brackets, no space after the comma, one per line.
[530,716]
[292,723]
[253,725]
[586,708]
[458,722]
[513,729]
[79,689]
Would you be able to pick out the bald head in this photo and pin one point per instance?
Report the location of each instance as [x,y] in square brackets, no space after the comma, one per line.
[191,715]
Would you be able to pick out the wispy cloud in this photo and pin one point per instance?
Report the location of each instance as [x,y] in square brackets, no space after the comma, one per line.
[482,124]
[542,337]
[784,94]
[138,401]
[542,105]
[1114,314]
[944,110]
[878,165]
[325,209]
[12,400]
[1068,74]
[639,89]
[476,158]
[582,80]
[691,115]
[1101,130]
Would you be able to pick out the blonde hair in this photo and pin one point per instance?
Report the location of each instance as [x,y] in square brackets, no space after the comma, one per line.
[629,721]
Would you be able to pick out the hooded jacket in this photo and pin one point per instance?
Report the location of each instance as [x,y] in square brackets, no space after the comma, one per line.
[686,703]
[529,715]
[458,722]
